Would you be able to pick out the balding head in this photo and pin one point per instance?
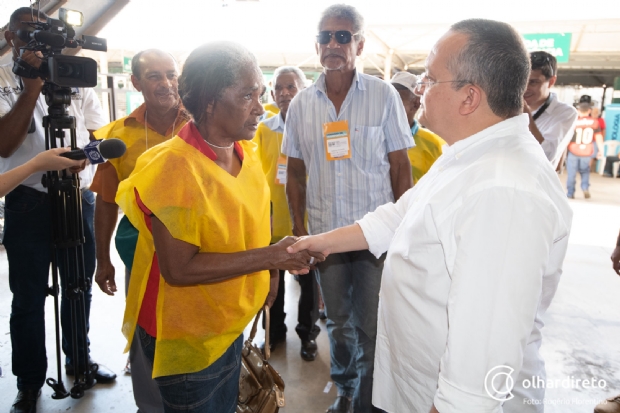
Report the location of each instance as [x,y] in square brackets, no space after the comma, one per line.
[155,73]
[143,57]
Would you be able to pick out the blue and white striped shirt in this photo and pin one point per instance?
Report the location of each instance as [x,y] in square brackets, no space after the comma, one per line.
[343,191]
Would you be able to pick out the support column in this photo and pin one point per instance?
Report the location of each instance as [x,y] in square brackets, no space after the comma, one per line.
[387,72]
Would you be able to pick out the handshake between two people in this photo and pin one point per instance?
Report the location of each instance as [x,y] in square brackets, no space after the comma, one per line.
[289,254]
[305,252]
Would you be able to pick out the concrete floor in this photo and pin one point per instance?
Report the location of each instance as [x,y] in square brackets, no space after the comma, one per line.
[580,340]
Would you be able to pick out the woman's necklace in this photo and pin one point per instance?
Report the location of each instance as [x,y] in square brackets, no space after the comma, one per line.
[220,147]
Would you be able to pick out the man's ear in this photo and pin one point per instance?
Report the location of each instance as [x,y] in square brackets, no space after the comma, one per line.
[472,98]
[552,81]
[273,96]
[360,47]
[136,83]
[8,36]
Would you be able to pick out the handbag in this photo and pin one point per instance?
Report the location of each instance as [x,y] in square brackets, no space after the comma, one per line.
[261,388]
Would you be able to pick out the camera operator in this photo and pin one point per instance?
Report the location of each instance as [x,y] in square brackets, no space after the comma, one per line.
[28,219]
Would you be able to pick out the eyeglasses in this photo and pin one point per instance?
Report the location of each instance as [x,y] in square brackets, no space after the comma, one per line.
[341,36]
[423,82]
[541,59]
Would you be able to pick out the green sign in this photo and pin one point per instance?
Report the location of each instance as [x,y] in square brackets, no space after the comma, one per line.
[133,100]
[556,44]
[126,64]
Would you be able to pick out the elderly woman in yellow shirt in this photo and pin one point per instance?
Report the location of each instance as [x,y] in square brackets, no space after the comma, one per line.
[201,204]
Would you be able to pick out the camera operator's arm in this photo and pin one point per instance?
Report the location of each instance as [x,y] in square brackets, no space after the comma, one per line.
[15,122]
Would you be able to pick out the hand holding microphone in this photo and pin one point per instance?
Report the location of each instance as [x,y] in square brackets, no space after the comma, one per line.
[98,151]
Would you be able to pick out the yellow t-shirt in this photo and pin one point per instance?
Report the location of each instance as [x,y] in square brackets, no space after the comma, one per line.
[425,152]
[271,109]
[203,205]
[138,138]
[268,145]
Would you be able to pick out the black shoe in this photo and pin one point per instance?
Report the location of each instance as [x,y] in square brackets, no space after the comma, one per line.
[308,350]
[26,401]
[103,374]
[341,405]
[322,315]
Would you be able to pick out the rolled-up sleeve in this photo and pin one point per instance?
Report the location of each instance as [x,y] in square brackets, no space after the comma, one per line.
[380,225]
[501,243]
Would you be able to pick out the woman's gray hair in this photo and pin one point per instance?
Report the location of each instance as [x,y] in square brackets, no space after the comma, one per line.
[495,59]
[208,71]
[345,12]
[289,69]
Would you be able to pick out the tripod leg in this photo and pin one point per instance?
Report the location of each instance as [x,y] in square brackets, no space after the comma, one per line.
[57,385]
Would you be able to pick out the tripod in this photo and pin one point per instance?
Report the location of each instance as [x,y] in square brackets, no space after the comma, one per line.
[67,243]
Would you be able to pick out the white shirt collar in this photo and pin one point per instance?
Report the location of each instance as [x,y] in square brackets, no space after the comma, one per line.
[510,126]
[275,123]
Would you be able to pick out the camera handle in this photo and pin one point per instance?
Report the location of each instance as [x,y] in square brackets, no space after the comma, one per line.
[67,244]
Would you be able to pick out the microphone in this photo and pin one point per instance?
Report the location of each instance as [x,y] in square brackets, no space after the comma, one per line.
[98,151]
[42,36]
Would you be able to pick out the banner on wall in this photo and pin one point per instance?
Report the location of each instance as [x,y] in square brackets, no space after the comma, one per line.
[556,44]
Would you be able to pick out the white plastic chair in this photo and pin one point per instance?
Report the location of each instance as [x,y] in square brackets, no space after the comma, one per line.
[610,148]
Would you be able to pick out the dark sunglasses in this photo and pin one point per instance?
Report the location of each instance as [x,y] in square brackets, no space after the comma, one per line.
[341,36]
[541,59]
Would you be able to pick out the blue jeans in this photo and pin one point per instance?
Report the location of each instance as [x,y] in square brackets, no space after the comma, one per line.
[576,164]
[28,245]
[214,389]
[350,284]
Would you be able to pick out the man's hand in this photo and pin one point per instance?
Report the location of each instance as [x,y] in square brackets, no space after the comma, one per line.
[300,261]
[615,259]
[33,59]
[526,108]
[104,277]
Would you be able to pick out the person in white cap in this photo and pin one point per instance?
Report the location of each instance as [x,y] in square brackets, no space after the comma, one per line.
[427,144]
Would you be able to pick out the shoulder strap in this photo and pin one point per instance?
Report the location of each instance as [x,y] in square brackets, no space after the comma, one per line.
[265,311]
[543,108]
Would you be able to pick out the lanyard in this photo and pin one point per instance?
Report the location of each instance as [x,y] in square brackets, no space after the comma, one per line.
[543,108]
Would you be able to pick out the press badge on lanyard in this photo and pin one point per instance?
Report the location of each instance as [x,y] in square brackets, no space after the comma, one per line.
[281,172]
[337,140]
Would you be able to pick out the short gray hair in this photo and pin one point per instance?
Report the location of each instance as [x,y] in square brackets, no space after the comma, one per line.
[208,71]
[289,69]
[345,12]
[495,59]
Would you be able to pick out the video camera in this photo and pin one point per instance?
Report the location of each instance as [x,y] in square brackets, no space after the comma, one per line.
[50,38]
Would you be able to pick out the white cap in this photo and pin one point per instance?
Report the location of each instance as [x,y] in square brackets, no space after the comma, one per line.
[405,79]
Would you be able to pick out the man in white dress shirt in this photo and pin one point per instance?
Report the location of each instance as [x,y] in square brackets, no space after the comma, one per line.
[475,249]
[551,122]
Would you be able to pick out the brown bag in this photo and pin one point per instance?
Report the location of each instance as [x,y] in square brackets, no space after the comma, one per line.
[261,389]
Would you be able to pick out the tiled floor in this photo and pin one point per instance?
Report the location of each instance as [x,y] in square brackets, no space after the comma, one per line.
[581,336]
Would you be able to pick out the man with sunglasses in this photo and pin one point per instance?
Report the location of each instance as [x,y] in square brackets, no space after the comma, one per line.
[551,121]
[348,132]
